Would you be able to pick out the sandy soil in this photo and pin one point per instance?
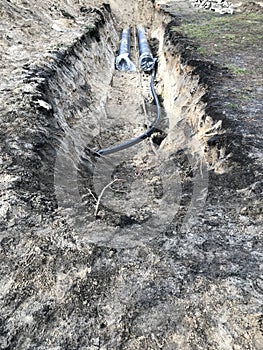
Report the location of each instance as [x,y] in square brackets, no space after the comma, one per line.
[170,255]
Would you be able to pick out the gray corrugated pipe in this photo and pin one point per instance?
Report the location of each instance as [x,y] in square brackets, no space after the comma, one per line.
[146,59]
[123,61]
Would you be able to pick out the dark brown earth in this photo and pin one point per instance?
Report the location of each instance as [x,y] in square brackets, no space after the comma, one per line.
[170,256]
[231,66]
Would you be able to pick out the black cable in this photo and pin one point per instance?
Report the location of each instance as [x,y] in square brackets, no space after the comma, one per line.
[141,137]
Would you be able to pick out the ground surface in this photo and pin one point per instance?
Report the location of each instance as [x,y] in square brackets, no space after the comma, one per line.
[171,255]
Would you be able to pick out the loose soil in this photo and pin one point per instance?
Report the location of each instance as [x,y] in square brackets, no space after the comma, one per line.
[155,247]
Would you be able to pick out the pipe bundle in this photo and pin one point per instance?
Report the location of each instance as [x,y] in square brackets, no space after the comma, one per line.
[146,59]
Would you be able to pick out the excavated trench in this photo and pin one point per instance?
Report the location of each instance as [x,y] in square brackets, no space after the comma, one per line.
[84,104]
[129,250]
[155,187]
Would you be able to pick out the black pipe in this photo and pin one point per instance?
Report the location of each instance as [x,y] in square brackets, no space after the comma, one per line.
[141,137]
[123,61]
[146,60]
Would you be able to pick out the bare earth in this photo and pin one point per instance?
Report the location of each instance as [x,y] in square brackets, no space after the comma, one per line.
[155,247]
